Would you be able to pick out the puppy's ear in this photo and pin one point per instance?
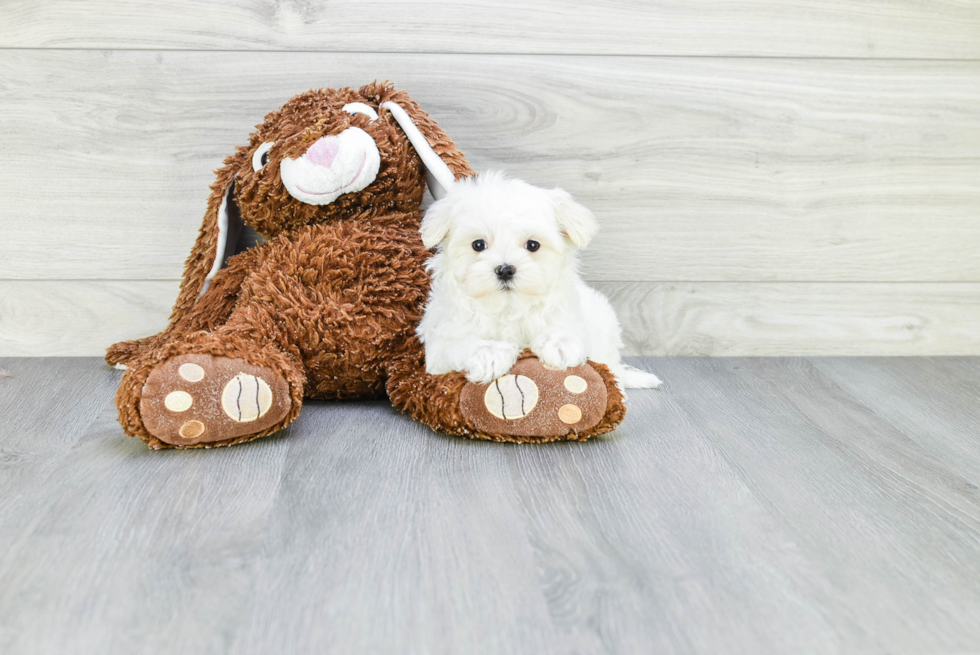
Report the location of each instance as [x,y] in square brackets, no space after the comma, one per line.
[437,222]
[575,221]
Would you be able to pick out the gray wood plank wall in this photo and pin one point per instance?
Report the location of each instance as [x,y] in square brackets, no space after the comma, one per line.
[772,178]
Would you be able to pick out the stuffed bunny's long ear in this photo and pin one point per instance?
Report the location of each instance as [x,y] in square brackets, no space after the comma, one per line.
[438,175]
[216,241]
[444,162]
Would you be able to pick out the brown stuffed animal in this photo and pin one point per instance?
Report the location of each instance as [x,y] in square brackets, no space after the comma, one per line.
[327,306]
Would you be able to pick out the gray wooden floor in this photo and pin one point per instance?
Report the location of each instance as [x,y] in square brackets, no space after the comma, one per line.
[752,506]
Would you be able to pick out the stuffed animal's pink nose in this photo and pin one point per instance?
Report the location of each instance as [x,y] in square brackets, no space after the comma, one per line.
[323,151]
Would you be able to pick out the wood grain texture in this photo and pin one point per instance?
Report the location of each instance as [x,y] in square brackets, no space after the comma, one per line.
[698,169]
[79,318]
[358,540]
[82,318]
[826,467]
[796,28]
[47,404]
[751,507]
[764,319]
[933,402]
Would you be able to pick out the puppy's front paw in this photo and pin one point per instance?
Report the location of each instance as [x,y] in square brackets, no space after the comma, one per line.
[560,351]
[490,360]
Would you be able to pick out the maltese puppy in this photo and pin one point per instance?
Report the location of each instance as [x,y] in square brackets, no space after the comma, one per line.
[505,277]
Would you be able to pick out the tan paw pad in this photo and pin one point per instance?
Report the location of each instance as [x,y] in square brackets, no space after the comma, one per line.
[570,414]
[178,401]
[191,430]
[511,397]
[246,398]
[576,384]
[191,372]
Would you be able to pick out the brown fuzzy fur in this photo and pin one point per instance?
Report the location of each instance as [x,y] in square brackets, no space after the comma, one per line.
[331,301]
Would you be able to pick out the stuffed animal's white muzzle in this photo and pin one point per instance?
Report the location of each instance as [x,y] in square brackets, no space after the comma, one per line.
[331,167]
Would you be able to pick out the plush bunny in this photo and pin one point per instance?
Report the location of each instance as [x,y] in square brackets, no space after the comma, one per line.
[327,305]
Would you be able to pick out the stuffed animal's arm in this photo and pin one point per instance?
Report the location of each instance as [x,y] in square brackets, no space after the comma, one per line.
[210,311]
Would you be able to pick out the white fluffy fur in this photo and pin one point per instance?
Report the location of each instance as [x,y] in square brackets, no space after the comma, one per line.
[476,323]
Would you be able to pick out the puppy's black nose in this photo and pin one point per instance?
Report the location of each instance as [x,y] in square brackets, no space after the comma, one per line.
[505,271]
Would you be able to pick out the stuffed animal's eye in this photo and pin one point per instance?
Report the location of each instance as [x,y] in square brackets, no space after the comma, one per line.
[479,245]
[261,155]
[532,245]
[361,108]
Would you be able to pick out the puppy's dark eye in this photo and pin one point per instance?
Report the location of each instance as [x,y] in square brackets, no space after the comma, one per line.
[479,245]
[532,245]
[265,158]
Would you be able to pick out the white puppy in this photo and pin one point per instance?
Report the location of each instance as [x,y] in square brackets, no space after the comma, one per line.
[505,278]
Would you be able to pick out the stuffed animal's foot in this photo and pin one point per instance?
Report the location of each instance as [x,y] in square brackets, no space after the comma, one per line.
[536,403]
[200,399]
